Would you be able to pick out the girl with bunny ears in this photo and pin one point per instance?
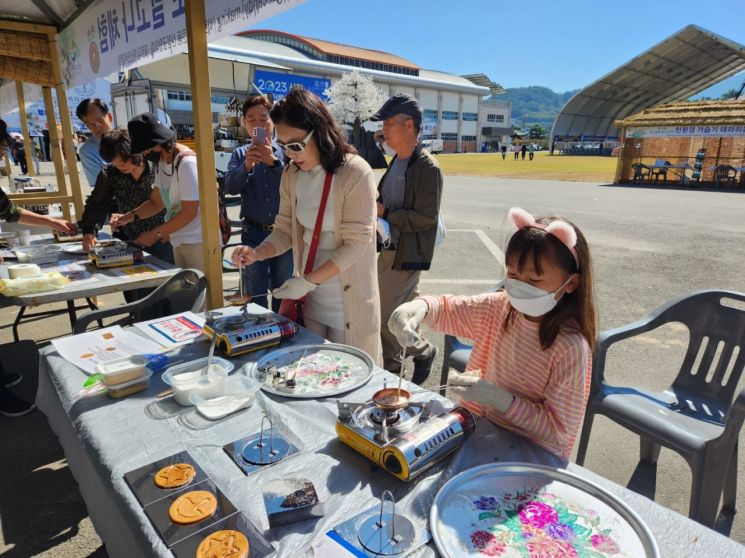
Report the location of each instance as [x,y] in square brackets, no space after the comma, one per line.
[529,370]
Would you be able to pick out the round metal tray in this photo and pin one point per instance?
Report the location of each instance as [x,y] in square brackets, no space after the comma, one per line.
[355,370]
[502,508]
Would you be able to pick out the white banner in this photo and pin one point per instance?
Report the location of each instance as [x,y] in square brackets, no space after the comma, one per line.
[115,35]
[36,110]
[686,131]
[9,98]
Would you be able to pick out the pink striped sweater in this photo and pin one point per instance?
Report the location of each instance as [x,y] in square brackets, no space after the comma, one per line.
[550,387]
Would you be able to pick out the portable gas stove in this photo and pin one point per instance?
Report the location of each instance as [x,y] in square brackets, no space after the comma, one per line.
[244,332]
[114,254]
[404,442]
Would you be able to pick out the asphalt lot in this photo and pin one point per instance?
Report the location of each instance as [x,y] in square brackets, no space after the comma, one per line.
[648,244]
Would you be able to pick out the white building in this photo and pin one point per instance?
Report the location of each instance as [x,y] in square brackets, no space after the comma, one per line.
[275,61]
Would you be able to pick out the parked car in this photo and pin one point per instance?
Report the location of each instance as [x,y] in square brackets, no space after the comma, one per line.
[434,146]
[534,147]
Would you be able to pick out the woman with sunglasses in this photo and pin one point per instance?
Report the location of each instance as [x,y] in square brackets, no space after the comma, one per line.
[342,302]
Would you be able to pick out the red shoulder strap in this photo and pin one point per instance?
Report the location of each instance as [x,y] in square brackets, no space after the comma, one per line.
[319,221]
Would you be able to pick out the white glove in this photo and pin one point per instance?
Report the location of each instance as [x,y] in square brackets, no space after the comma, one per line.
[470,387]
[294,288]
[406,320]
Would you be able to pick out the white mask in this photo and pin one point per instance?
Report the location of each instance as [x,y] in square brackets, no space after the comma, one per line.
[531,300]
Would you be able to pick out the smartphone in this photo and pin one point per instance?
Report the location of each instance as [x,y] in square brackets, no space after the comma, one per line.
[259,135]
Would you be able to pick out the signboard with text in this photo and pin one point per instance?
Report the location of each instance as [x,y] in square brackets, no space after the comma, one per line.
[279,84]
[114,35]
[683,131]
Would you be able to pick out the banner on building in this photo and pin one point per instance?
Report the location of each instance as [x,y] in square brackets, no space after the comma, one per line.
[686,131]
[114,35]
[279,84]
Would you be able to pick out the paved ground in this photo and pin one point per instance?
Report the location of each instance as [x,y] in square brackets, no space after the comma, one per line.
[649,245]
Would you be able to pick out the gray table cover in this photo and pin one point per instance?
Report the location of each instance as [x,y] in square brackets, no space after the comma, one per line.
[105,438]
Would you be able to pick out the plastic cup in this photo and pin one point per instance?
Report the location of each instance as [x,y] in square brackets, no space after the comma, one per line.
[24,237]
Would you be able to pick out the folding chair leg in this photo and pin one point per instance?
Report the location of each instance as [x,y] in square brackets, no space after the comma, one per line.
[730,483]
[649,451]
[584,437]
[706,490]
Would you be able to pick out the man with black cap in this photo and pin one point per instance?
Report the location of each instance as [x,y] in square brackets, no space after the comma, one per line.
[176,188]
[409,200]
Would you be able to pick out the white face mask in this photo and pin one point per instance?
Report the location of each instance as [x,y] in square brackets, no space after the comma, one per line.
[531,300]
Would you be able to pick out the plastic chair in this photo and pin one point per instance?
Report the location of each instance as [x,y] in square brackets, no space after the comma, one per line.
[455,355]
[724,174]
[657,172]
[183,292]
[698,415]
[641,171]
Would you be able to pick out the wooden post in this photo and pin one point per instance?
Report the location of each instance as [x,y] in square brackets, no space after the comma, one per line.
[64,112]
[55,149]
[196,33]
[24,128]
[8,169]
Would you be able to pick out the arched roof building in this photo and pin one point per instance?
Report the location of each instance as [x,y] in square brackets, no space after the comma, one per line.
[680,66]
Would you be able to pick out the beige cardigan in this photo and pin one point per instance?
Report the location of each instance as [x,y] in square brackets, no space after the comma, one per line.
[355,213]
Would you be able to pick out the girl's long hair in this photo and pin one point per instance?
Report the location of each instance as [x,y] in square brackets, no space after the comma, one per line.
[305,111]
[574,310]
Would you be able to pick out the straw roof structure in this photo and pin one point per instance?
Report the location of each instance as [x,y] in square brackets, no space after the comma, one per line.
[25,57]
[729,112]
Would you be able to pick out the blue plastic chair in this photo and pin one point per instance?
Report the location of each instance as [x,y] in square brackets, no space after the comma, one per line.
[698,418]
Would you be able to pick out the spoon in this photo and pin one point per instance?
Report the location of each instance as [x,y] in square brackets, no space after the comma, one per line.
[210,355]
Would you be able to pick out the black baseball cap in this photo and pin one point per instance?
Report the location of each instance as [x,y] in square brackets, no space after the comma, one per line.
[146,131]
[399,104]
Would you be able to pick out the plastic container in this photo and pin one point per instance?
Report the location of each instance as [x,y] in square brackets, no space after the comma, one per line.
[128,388]
[238,393]
[189,377]
[122,370]
[39,254]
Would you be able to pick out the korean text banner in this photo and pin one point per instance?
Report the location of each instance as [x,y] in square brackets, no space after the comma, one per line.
[114,35]
[279,85]
[682,131]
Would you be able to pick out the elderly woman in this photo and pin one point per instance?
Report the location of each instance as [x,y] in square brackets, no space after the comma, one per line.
[129,180]
[342,303]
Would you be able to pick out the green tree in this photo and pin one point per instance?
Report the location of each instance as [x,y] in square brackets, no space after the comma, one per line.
[537,132]
[731,94]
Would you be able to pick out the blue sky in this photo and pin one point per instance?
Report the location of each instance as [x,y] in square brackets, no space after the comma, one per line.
[559,44]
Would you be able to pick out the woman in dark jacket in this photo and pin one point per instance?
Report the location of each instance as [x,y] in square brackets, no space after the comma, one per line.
[128,179]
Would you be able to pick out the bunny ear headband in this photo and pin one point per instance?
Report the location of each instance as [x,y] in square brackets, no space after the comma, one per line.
[558,228]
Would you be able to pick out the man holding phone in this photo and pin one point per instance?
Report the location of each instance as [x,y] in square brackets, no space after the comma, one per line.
[254,173]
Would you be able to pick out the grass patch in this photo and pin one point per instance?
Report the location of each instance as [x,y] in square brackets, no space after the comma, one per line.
[543,167]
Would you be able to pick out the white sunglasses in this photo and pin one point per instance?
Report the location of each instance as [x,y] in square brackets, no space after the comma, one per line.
[296,146]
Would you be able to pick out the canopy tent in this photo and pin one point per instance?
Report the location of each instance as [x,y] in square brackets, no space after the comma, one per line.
[72,41]
[680,66]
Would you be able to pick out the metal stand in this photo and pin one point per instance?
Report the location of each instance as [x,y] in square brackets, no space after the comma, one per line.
[387,534]
[71,312]
[259,451]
